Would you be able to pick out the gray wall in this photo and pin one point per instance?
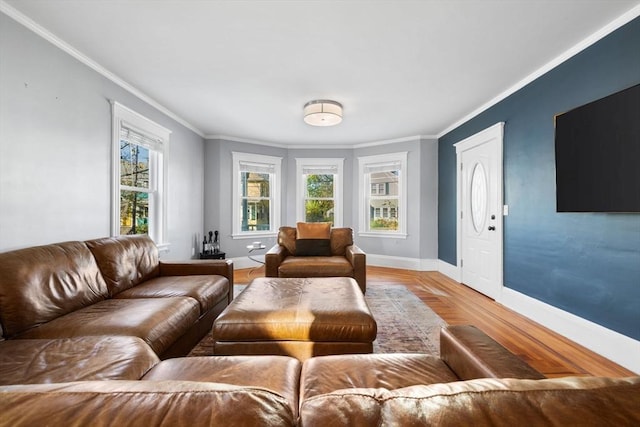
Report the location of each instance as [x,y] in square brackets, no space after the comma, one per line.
[55,145]
[421,242]
[218,195]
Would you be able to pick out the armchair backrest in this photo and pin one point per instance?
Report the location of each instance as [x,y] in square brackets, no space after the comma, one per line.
[341,237]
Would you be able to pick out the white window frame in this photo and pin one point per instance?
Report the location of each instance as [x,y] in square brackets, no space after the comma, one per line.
[158,165]
[272,162]
[329,163]
[365,188]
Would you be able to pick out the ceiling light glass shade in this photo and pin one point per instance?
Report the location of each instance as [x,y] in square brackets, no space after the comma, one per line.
[322,112]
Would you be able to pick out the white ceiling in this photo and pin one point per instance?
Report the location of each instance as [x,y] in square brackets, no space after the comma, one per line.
[244,69]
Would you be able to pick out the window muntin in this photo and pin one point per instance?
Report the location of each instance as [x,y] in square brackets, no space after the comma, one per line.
[383,195]
[136,163]
[139,172]
[256,196]
[255,201]
[319,190]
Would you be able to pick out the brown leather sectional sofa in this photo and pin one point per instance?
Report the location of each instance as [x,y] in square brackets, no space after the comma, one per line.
[85,325]
[111,287]
[474,382]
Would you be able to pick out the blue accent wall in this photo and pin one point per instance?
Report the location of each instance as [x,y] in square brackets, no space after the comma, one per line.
[585,263]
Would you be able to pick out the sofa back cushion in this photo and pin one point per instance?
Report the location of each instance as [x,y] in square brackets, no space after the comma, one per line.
[125,261]
[39,284]
[312,239]
[142,403]
[340,238]
[583,401]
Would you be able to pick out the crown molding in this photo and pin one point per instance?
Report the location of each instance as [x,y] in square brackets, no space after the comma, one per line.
[579,47]
[64,46]
[322,146]
[245,140]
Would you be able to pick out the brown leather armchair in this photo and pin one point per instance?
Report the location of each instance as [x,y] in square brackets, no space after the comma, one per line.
[345,259]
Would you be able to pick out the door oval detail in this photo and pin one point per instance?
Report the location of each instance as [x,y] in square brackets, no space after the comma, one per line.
[478,194]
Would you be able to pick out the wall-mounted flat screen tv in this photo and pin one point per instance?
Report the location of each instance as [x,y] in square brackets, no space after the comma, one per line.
[598,155]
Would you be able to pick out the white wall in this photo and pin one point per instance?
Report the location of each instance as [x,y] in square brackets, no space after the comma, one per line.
[55,144]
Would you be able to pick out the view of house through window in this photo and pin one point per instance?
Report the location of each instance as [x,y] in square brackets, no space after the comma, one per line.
[383,200]
[256,198]
[383,194]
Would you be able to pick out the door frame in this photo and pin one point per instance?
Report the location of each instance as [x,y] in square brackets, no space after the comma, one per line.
[495,131]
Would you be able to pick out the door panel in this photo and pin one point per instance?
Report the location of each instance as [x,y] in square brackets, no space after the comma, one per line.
[480,202]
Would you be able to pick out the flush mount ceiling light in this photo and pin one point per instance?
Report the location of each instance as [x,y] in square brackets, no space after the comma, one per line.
[322,112]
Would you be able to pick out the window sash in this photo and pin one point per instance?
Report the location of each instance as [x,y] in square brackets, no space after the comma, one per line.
[129,127]
[252,192]
[383,204]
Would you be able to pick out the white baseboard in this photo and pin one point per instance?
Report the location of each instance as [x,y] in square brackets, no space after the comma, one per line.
[402,262]
[616,347]
[451,271]
[245,262]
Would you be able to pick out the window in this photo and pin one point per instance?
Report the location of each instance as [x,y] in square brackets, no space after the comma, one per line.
[383,195]
[139,165]
[319,190]
[256,195]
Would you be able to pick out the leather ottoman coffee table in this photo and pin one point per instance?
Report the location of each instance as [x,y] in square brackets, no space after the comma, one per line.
[299,317]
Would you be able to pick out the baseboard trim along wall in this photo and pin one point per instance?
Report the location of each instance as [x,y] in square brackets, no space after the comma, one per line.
[607,343]
[372,259]
[402,262]
[451,271]
[619,348]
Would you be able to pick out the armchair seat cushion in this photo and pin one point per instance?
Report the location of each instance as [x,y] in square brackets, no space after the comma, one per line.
[315,266]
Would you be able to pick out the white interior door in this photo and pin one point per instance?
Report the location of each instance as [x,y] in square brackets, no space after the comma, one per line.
[480,222]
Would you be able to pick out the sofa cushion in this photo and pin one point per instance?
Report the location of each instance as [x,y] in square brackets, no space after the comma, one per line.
[340,239]
[207,290]
[158,321]
[42,283]
[583,401]
[278,374]
[325,374]
[313,239]
[125,261]
[315,267]
[142,403]
[287,238]
[74,359]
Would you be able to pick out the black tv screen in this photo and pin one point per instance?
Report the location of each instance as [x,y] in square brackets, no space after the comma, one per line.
[598,155]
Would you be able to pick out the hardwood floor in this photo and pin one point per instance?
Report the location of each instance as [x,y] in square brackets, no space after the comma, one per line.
[545,350]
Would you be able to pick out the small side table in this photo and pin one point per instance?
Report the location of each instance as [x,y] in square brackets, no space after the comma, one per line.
[217,255]
[255,248]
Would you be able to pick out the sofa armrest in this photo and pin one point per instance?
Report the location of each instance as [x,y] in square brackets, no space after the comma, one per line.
[471,354]
[220,267]
[273,258]
[358,260]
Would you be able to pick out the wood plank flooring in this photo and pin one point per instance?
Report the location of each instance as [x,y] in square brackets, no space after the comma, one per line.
[545,350]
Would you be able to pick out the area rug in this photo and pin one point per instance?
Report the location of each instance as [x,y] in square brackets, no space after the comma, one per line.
[405,324]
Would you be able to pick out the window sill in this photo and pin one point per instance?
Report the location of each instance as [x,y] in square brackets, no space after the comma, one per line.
[383,235]
[254,235]
[163,247]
